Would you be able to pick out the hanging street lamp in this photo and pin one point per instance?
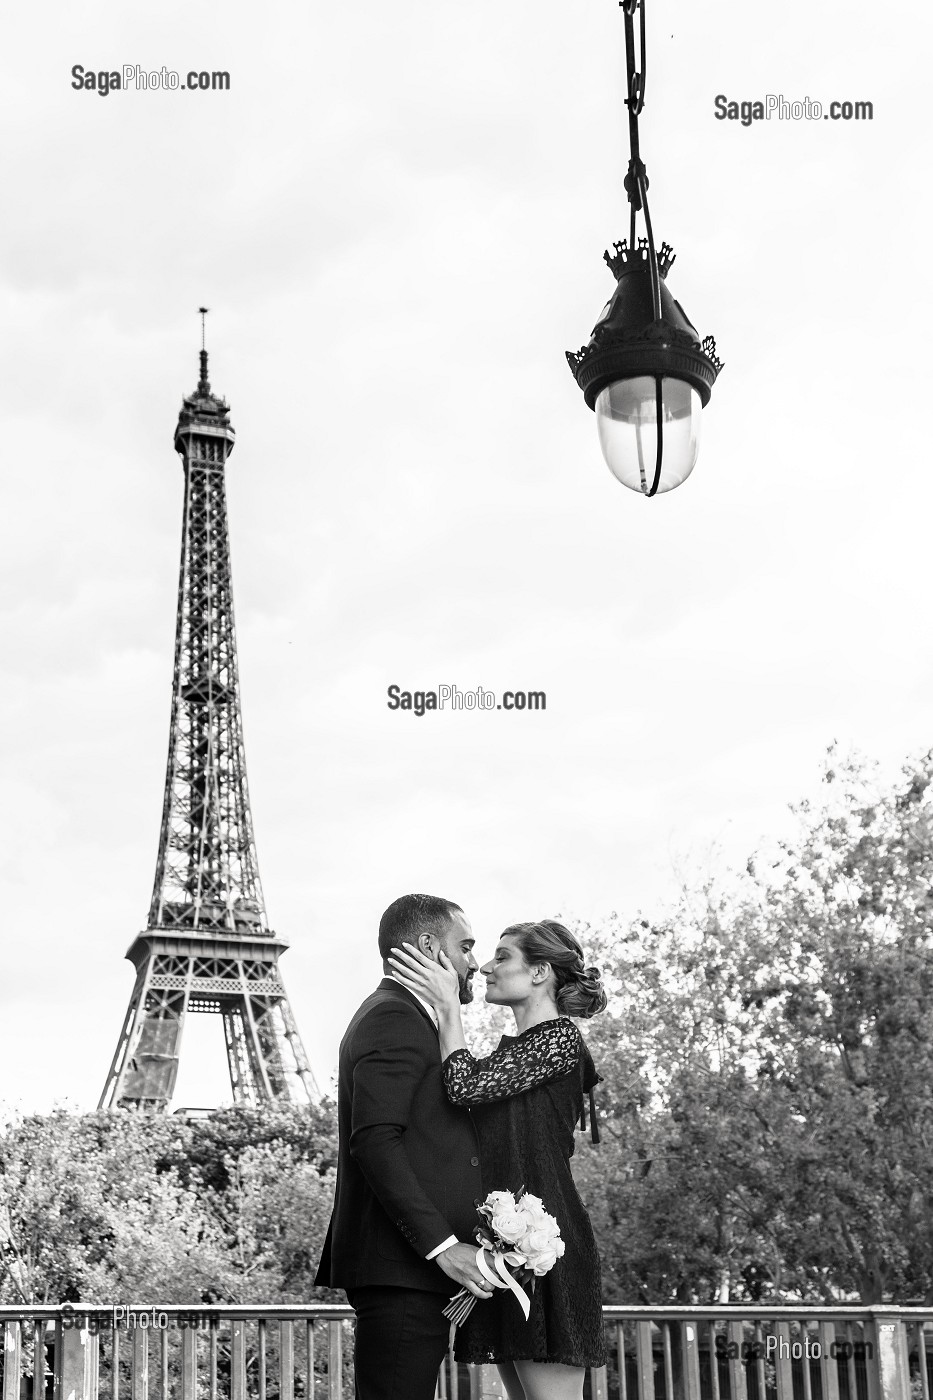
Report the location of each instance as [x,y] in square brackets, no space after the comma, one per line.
[644,369]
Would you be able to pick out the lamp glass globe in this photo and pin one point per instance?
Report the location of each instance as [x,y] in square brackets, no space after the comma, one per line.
[627,419]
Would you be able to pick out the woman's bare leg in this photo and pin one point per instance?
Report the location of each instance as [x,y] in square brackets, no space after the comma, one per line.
[545,1380]
[513,1386]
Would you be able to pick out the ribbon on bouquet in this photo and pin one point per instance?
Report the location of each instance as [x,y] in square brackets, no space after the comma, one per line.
[461,1305]
[507,1279]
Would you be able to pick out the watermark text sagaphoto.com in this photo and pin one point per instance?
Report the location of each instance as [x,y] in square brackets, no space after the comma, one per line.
[132,78]
[773,1347]
[121,1318]
[451,697]
[776,105]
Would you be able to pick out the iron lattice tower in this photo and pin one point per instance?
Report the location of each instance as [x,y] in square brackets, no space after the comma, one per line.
[207,946]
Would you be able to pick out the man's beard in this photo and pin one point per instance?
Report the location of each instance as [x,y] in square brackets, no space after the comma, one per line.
[466,988]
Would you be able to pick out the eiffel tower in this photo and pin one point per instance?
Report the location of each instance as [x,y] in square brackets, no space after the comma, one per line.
[207,946]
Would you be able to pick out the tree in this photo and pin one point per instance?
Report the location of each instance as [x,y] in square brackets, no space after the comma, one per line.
[107,1206]
[81,1208]
[769,1100]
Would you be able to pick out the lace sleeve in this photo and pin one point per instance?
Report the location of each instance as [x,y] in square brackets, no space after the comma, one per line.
[549,1051]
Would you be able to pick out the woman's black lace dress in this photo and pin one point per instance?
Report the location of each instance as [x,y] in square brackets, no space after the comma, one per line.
[527,1097]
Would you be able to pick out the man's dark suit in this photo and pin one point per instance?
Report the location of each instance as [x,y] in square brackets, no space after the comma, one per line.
[407,1179]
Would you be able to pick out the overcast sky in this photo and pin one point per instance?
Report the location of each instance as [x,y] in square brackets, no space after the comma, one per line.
[397,215]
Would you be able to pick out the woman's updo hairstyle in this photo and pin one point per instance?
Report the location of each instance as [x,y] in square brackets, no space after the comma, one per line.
[580,990]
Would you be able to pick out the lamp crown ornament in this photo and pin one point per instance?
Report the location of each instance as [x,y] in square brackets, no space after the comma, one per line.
[625,258]
[644,370]
[630,340]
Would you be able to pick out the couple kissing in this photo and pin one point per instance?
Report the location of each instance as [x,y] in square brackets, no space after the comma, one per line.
[427,1131]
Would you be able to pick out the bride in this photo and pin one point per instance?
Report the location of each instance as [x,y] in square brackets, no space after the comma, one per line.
[527,1098]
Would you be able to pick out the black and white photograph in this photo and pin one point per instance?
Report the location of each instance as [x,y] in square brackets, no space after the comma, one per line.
[466,746]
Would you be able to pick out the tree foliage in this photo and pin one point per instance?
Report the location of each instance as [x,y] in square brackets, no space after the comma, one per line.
[106,1207]
[768,1101]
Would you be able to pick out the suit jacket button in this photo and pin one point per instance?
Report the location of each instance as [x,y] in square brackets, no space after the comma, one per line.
[474,1161]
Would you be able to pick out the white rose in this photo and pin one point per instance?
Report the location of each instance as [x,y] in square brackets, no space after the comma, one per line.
[500,1198]
[548,1227]
[536,1219]
[541,1260]
[532,1204]
[537,1242]
[540,1220]
[509,1224]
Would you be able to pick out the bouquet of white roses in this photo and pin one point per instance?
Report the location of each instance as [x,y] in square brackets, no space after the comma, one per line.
[519,1241]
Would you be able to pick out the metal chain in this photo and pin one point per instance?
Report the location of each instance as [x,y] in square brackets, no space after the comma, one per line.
[636,180]
[636,187]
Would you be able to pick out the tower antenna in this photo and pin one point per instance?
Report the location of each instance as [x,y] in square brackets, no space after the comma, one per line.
[204,386]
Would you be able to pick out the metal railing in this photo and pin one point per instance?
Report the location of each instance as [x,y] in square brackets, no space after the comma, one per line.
[229,1352]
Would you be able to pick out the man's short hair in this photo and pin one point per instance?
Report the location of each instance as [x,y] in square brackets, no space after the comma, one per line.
[412,915]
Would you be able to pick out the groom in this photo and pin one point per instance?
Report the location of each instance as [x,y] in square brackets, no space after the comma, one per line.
[408,1176]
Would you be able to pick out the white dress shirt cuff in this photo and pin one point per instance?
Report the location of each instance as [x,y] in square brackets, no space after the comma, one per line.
[441,1247]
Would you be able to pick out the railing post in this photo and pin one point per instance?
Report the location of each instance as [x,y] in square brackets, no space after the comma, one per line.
[783,1374]
[76,1358]
[736,1335]
[644,1359]
[189,1364]
[335,1359]
[12,1359]
[621,1360]
[139,1365]
[690,1355]
[922,1360]
[829,1369]
[447,1377]
[485,1383]
[286,1360]
[238,1361]
[889,1369]
[599,1383]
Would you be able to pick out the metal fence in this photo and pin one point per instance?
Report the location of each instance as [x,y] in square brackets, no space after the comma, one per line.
[147,1352]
